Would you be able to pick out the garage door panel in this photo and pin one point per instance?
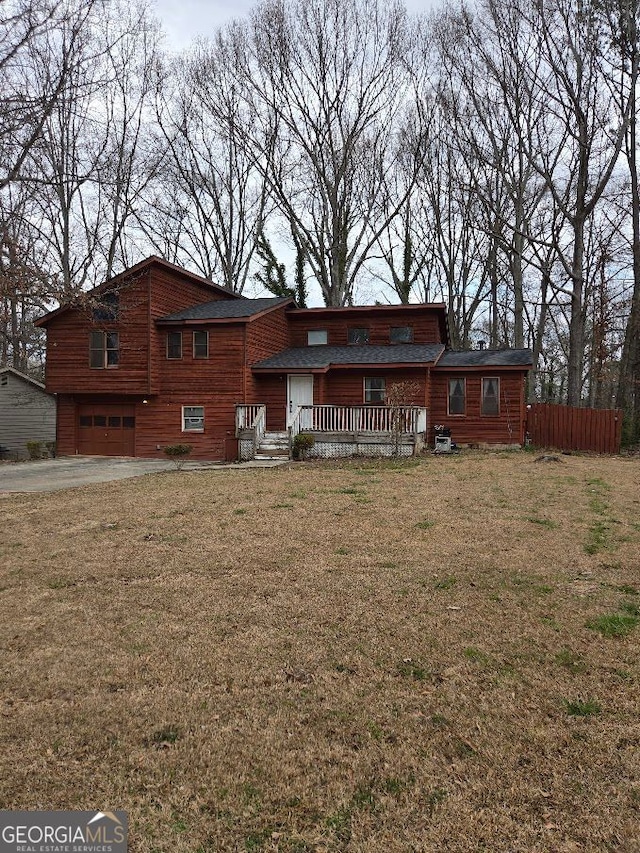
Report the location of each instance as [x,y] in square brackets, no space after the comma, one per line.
[106,430]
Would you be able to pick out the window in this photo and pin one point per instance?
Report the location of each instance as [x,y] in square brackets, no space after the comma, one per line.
[358,336]
[401,335]
[107,307]
[316,337]
[201,344]
[4,380]
[104,349]
[490,404]
[174,344]
[193,418]
[374,389]
[457,396]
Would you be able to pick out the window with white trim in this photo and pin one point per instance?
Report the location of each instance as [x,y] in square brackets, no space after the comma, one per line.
[317,337]
[490,402]
[374,389]
[104,349]
[457,400]
[193,419]
[201,344]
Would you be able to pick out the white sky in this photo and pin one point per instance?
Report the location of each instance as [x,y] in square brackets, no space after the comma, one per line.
[183,20]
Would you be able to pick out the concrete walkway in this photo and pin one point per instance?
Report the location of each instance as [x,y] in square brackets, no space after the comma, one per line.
[50,475]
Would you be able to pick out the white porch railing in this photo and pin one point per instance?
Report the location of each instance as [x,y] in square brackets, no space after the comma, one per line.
[247,415]
[252,418]
[359,419]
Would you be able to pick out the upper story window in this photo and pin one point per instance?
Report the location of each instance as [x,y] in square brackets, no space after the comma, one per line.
[358,335]
[374,389]
[201,344]
[174,344]
[316,337]
[457,396]
[107,307]
[490,403]
[401,335]
[104,349]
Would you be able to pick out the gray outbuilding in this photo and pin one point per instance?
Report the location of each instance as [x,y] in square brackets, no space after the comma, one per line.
[27,413]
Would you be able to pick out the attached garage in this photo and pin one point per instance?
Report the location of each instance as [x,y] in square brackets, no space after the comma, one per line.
[106,429]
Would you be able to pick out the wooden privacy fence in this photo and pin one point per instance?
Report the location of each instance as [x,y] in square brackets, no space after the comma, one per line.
[571,428]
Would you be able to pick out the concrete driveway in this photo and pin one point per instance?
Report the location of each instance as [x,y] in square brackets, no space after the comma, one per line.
[49,475]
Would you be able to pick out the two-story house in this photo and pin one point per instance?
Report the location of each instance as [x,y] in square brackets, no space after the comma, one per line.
[158,355]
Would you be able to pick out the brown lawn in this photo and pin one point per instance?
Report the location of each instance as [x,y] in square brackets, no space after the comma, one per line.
[358,657]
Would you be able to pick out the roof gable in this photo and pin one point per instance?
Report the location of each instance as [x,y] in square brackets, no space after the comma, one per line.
[11,371]
[121,279]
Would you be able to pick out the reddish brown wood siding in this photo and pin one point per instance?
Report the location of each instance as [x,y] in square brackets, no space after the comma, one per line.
[68,368]
[425,325]
[265,336]
[66,426]
[346,387]
[571,428]
[170,293]
[473,427]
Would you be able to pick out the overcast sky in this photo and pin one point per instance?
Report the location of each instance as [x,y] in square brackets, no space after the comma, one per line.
[183,20]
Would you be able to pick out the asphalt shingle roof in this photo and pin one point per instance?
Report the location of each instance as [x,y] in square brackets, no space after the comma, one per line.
[318,357]
[227,309]
[487,358]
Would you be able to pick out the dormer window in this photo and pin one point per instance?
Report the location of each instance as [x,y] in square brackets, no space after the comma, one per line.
[358,336]
[317,337]
[401,335]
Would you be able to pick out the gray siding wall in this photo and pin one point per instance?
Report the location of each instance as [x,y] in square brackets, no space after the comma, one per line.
[26,414]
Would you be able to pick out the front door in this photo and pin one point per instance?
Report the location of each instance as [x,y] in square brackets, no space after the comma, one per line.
[300,393]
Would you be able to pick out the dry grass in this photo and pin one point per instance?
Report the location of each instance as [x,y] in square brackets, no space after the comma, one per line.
[357,657]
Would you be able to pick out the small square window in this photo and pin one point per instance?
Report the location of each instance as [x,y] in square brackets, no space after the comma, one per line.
[174,344]
[201,344]
[401,335]
[107,307]
[358,336]
[457,396]
[193,418]
[317,337]
[490,404]
[128,422]
[374,389]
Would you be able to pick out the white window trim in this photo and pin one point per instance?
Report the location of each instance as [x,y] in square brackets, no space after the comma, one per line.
[324,332]
[195,429]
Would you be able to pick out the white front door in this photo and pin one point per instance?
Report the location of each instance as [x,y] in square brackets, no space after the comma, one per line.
[300,393]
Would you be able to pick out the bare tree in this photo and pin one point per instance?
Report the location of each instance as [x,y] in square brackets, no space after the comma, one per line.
[329,82]
[217,199]
[31,30]
[90,163]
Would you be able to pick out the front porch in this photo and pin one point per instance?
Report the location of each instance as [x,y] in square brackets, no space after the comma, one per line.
[338,431]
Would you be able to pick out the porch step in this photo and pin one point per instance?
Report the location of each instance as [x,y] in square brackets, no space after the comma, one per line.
[274,445]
